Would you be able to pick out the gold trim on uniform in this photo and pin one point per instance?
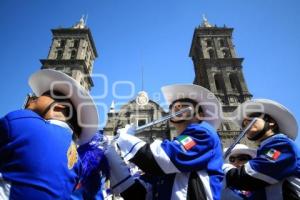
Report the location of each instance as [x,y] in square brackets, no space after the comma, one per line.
[72,155]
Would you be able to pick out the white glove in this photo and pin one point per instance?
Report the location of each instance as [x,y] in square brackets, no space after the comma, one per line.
[227,167]
[129,129]
[128,143]
[120,177]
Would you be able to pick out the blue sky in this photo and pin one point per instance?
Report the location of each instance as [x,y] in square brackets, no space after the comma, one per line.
[155,34]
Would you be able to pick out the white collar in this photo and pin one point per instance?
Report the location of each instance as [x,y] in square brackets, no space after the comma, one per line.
[61,124]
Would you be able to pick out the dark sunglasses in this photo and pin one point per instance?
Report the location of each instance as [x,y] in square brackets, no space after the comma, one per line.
[29,97]
[242,158]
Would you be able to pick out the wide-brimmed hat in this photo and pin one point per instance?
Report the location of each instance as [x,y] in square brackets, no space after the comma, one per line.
[209,103]
[87,115]
[286,121]
[241,149]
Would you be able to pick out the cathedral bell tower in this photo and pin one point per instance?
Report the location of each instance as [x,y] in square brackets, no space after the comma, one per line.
[219,69]
[73,52]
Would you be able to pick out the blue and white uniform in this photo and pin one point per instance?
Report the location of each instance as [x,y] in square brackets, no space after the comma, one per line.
[273,174]
[38,159]
[188,167]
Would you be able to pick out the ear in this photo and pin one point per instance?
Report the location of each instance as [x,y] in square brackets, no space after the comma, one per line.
[59,107]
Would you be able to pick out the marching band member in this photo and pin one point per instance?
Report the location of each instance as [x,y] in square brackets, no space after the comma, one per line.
[187,167]
[274,172]
[95,168]
[38,156]
[239,155]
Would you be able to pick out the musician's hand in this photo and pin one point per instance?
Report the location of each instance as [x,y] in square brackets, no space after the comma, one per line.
[127,142]
[227,167]
[129,129]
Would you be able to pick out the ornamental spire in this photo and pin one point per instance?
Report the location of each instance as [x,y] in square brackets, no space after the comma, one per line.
[81,24]
[205,22]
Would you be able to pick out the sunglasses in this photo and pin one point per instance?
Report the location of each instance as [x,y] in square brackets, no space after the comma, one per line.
[29,97]
[242,158]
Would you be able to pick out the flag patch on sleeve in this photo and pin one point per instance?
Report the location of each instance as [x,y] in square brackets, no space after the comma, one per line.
[187,142]
[272,154]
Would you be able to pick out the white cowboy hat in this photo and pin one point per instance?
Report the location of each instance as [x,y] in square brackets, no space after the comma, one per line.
[87,115]
[209,103]
[241,149]
[286,121]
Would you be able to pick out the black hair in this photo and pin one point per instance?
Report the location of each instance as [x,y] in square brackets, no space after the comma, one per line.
[269,119]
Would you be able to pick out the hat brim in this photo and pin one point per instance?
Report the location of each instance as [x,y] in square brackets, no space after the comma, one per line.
[209,103]
[284,118]
[87,115]
[241,149]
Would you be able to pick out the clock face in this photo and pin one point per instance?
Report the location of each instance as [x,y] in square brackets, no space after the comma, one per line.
[142,98]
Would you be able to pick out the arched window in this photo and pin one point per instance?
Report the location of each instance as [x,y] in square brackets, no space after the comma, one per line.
[211,53]
[62,43]
[208,43]
[76,43]
[219,82]
[59,54]
[73,54]
[226,53]
[235,85]
[222,43]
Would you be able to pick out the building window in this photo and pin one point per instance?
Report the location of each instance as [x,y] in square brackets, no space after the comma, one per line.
[59,54]
[73,54]
[141,122]
[76,43]
[211,53]
[219,82]
[222,43]
[234,82]
[226,53]
[62,43]
[208,43]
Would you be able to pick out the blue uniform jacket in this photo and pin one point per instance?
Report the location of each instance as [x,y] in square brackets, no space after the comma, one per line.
[188,167]
[273,174]
[38,160]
